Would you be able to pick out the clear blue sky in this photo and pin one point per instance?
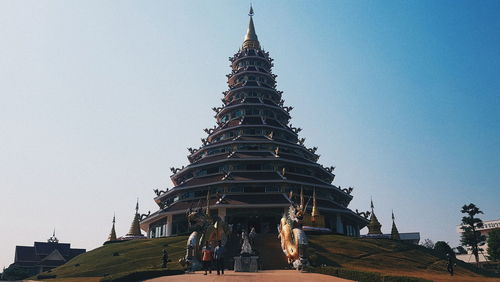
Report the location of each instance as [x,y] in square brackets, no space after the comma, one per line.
[99,98]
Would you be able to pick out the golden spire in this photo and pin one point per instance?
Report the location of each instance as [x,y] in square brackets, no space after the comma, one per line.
[302,198]
[112,234]
[251,40]
[135,229]
[374,226]
[314,211]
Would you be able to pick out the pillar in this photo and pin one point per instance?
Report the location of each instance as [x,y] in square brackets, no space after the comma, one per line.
[169,225]
[339,225]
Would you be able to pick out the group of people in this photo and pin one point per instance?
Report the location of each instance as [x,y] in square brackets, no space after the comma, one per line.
[211,258]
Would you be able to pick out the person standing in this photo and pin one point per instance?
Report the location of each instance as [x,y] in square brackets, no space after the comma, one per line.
[164,259]
[206,258]
[219,258]
[450,264]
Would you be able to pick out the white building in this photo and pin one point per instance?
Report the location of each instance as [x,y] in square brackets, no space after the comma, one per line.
[485,230]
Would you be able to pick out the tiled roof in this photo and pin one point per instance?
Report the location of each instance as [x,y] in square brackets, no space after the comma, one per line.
[200,180]
[25,253]
[303,178]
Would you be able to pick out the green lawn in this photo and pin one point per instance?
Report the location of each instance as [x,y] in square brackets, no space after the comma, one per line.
[131,255]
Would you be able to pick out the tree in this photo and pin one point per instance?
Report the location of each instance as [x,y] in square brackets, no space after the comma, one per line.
[428,244]
[494,244]
[443,248]
[14,272]
[471,237]
[461,250]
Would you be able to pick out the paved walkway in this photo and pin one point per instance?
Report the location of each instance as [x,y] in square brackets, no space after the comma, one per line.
[266,275]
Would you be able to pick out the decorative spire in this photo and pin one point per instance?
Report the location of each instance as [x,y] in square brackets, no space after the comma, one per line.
[394,230]
[302,198]
[53,239]
[314,211]
[135,229]
[112,234]
[251,41]
[208,202]
[374,227]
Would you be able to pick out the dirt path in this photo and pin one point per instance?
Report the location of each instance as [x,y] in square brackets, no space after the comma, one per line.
[266,275]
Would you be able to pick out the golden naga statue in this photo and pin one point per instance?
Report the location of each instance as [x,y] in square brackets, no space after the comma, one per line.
[293,238]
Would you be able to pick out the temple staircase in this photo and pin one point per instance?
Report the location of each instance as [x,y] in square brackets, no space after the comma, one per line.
[270,253]
[232,249]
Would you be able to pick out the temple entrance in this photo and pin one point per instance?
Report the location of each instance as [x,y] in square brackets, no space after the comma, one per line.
[265,221]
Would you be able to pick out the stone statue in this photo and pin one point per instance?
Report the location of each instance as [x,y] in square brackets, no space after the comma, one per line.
[246,248]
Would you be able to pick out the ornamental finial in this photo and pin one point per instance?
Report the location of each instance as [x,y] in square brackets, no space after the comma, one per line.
[251,41]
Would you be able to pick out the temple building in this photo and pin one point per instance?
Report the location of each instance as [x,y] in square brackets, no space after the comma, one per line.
[253,162]
[43,256]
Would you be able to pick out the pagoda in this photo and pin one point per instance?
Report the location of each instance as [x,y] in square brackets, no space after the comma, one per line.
[252,162]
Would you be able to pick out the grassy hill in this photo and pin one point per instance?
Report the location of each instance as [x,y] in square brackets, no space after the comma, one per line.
[374,255]
[388,257]
[123,257]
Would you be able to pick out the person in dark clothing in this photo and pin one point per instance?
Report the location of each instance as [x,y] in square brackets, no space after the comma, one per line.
[206,258]
[450,264]
[219,258]
[164,259]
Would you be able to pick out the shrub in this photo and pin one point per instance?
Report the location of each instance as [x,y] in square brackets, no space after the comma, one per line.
[46,276]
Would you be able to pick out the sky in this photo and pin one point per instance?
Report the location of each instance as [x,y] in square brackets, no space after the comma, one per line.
[98,99]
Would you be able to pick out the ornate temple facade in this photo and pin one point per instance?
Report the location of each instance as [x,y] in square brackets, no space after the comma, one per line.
[252,161]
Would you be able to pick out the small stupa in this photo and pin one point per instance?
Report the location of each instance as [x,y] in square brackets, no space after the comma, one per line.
[135,229]
[374,227]
[394,230]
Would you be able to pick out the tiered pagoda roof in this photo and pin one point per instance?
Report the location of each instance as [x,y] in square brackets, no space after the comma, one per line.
[253,143]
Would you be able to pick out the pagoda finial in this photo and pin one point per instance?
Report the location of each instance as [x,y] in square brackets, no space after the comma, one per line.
[112,234]
[137,206]
[251,41]
[53,239]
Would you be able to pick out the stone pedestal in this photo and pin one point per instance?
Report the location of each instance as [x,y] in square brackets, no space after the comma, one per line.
[246,264]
